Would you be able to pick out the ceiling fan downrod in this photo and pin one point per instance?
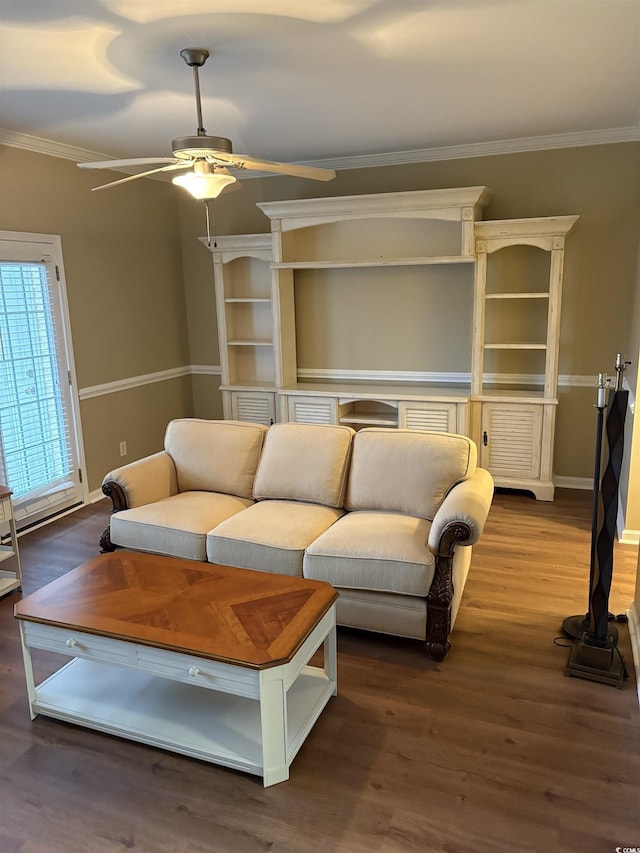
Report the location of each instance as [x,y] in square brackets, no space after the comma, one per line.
[195,57]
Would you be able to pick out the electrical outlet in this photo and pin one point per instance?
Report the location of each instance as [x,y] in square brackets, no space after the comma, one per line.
[123,448]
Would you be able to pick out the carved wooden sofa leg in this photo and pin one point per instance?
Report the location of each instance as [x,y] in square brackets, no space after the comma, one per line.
[118,501]
[439,610]
[440,596]
[105,542]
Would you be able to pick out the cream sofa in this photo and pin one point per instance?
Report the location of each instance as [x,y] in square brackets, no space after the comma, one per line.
[380,514]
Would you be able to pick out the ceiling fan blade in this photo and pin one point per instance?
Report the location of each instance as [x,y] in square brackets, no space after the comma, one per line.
[117,164]
[241,161]
[173,167]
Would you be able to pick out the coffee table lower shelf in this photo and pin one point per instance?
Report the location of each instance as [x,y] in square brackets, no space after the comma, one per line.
[204,724]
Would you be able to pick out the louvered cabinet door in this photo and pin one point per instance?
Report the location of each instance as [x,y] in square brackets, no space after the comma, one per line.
[429,417]
[254,406]
[313,410]
[511,440]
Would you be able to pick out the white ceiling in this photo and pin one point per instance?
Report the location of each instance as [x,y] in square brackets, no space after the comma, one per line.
[318,80]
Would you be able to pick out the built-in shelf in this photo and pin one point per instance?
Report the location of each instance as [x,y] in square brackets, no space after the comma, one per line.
[514,427]
[517,296]
[371,419]
[515,346]
[249,299]
[254,385]
[416,241]
[375,262]
[390,390]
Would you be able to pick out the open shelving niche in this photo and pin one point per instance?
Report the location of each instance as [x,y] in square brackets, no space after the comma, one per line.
[10,573]
[505,397]
[359,238]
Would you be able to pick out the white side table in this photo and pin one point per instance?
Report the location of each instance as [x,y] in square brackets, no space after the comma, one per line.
[9,580]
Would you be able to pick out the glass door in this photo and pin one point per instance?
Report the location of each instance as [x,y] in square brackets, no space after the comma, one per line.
[40,458]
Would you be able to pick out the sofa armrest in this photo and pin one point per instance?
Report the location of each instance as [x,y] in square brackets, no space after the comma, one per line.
[145,481]
[465,510]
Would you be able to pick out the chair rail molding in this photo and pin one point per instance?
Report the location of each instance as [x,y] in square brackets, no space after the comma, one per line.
[147,379]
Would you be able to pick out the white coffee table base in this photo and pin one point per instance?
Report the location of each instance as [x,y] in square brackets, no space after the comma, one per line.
[248,719]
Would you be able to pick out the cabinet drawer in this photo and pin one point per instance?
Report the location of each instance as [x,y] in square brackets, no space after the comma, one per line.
[67,641]
[226,678]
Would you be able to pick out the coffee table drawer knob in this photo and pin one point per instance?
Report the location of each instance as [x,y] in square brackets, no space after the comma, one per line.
[194,671]
[71,643]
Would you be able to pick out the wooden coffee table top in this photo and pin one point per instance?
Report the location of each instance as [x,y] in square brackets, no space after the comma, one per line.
[248,618]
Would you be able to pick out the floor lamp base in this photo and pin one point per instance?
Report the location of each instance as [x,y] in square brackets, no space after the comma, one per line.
[576,626]
[597,663]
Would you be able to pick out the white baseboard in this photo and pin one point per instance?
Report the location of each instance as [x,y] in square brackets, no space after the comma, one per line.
[583,483]
[634,633]
[629,537]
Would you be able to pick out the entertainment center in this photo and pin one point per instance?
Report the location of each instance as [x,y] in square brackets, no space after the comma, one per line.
[476,306]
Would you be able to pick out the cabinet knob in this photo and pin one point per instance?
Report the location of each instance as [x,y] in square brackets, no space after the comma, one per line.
[485,438]
[71,643]
[193,671]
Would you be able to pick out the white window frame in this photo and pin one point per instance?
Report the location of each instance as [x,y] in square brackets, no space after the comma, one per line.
[23,243]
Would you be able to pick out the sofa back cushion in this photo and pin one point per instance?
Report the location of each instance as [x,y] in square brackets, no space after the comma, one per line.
[304,462]
[406,470]
[215,456]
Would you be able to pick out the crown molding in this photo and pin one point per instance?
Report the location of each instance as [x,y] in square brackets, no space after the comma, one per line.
[485,149]
[48,146]
[608,136]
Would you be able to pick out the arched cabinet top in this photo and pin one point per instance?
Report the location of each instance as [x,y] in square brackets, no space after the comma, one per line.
[458,205]
[544,232]
[231,247]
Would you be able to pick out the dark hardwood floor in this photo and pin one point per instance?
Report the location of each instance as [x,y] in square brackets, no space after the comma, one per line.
[493,750]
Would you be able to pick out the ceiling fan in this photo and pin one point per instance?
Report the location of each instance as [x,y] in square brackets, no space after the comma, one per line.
[206,160]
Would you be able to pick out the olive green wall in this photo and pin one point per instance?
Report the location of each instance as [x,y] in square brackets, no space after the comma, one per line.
[140,284]
[201,308]
[138,416]
[123,265]
[601,183]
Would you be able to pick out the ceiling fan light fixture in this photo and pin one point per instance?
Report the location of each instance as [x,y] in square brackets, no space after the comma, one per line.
[204,184]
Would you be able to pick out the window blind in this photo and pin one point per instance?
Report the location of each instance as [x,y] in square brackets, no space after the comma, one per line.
[37,454]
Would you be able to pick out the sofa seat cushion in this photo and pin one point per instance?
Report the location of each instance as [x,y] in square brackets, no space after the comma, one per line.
[380,551]
[175,526]
[270,536]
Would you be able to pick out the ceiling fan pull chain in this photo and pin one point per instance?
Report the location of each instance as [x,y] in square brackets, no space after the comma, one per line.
[210,220]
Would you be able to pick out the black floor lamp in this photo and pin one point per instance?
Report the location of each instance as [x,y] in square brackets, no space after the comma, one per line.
[594,654]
